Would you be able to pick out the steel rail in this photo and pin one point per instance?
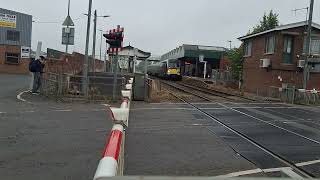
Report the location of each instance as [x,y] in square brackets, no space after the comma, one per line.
[281,159]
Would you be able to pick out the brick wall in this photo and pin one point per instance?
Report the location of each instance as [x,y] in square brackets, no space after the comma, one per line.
[256,78]
[224,63]
[71,64]
[21,68]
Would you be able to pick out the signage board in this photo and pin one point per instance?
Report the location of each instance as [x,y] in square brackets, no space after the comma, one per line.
[201,58]
[211,48]
[68,36]
[25,52]
[8,20]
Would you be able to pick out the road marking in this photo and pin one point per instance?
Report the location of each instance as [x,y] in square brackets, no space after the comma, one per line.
[20,98]
[107,105]
[2,112]
[29,111]
[140,109]
[287,170]
[63,110]
[290,173]
[168,103]
[240,173]
[247,108]
[308,163]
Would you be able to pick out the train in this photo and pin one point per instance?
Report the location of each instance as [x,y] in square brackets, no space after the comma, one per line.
[167,69]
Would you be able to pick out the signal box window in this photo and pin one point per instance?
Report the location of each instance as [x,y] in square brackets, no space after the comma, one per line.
[270,44]
[13,35]
[12,58]
[288,50]
[247,48]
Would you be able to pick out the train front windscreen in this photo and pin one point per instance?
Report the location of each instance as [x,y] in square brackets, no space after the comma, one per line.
[173,64]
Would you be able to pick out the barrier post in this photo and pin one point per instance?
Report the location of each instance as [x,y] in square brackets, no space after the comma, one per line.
[112,162]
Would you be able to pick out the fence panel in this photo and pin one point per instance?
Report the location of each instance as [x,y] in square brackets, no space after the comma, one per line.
[294,96]
[71,86]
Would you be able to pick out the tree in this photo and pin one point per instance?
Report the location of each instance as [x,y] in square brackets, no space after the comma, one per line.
[236,58]
[268,21]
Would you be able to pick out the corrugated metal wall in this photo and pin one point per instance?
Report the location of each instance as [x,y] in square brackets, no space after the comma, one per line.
[24,26]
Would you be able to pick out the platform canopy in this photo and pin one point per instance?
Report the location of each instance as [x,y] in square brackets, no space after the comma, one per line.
[210,53]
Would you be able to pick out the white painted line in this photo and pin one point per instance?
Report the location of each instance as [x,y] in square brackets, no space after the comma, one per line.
[280,107]
[203,103]
[29,111]
[248,108]
[141,109]
[168,103]
[63,110]
[290,173]
[197,125]
[20,98]
[308,163]
[240,173]
[107,105]
[212,108]
[2,112]
[287,170]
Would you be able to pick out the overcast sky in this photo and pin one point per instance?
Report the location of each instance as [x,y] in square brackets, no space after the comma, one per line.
[157,26]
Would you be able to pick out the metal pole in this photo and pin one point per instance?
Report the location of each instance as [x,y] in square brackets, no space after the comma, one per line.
[85,64]
[115,76]
[68,27]
[196,75]
[105,59]
[145,79]
[308,42]
[94,41]
[205,70]
[101,45]
[135,60]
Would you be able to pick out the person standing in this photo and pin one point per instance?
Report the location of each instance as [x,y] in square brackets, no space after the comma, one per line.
[36,67]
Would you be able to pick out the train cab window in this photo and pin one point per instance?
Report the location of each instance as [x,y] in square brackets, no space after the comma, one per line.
[174,64]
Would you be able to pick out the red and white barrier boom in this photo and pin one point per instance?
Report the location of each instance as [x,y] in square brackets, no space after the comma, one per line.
[113,154]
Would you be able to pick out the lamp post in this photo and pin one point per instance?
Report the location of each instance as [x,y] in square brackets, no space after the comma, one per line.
[94,38]
[85,64]
[95,16]
[308,42]
[100,55]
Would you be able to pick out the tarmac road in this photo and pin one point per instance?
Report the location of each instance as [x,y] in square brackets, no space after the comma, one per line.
[45,139]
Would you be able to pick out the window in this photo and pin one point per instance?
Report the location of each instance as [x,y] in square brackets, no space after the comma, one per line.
[12,58]
[288,44]
[269,45]
[174,64]
[314,45]
[288,50]
[13,35]
[247,48]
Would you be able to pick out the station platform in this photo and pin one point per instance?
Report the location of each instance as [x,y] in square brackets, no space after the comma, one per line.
[174,140]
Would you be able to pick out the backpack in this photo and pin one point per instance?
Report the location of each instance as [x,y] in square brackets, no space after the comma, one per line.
[33,66]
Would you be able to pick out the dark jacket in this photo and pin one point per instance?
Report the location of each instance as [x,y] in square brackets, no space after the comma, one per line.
[38,66]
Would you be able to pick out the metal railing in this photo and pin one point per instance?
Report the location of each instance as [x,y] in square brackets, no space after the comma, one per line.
[224,76]
[70,86]
[291,95]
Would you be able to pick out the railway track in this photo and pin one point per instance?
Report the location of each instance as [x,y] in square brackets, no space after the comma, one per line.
[205,94]
[181,88]
[287,163]
[217,93]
